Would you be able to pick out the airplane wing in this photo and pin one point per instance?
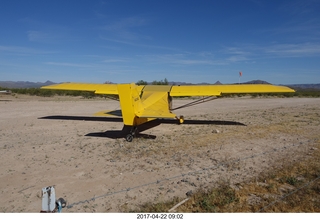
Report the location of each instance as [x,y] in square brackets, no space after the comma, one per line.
[152,101]
[217,90]
[175,90]
[110,89]
[102,89]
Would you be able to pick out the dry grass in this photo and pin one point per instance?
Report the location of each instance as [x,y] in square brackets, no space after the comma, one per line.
[291,187]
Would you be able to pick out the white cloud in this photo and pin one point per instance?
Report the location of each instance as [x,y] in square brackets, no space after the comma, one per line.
[125,23]
[294,50]
[202,58]
[251,52]
[137,44]
[114,60]
[52,36]
[126,28]
[23,51]
[37,36]
[237,58]
[69,64]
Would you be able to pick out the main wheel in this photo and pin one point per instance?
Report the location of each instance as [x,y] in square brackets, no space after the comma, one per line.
[129,137]
[181,119]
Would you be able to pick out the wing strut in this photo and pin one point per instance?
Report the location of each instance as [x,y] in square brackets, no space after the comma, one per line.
[199,101]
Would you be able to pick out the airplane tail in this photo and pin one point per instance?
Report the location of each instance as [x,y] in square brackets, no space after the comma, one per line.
[130,104]
[137,110]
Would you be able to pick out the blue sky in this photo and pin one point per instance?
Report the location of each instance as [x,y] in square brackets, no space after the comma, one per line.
[190,41]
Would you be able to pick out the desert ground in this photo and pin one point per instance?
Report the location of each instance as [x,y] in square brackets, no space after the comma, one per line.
[233,139]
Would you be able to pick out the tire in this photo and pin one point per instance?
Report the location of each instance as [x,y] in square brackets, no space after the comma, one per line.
[129,137]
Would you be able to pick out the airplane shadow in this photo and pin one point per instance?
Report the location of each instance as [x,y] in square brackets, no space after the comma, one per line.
[82,118]
[202,122]
[115,134]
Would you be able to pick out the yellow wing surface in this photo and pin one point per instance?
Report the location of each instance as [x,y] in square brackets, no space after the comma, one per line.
[103,89]
[217,90]
[175,90]
[110,89]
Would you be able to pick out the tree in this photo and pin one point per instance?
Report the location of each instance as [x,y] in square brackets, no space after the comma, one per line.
[141,82]
[162,82]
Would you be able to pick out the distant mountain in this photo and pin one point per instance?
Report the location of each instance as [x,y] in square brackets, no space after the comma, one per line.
[219,83]
[293,86]
[176,83]
[255,82]
[305,86]
[23,84]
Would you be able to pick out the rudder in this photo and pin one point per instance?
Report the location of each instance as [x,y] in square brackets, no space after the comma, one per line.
[130,103]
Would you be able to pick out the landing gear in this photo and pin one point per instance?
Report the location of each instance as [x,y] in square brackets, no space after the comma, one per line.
[129,132]
[180,119]
[129,137]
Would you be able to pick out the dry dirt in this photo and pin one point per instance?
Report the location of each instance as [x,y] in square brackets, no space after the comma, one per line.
[96,172]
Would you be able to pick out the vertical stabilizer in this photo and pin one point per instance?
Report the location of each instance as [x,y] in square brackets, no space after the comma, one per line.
[130,103]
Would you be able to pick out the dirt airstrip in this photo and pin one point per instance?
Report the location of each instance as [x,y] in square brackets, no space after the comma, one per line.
[231,139]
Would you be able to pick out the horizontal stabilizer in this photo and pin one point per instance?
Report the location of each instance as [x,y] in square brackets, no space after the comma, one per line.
[109,113]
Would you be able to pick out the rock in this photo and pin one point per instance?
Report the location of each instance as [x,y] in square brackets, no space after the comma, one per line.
[262,184]
[253,199]
[189,193]
[215,131]
[286,188]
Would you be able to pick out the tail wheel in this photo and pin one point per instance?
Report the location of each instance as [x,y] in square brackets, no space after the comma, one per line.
[129,137]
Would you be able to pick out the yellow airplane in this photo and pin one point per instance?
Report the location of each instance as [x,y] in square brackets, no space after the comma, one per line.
[144,103]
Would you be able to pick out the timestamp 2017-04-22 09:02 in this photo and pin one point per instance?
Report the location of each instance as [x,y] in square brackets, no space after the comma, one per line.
[159,216]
